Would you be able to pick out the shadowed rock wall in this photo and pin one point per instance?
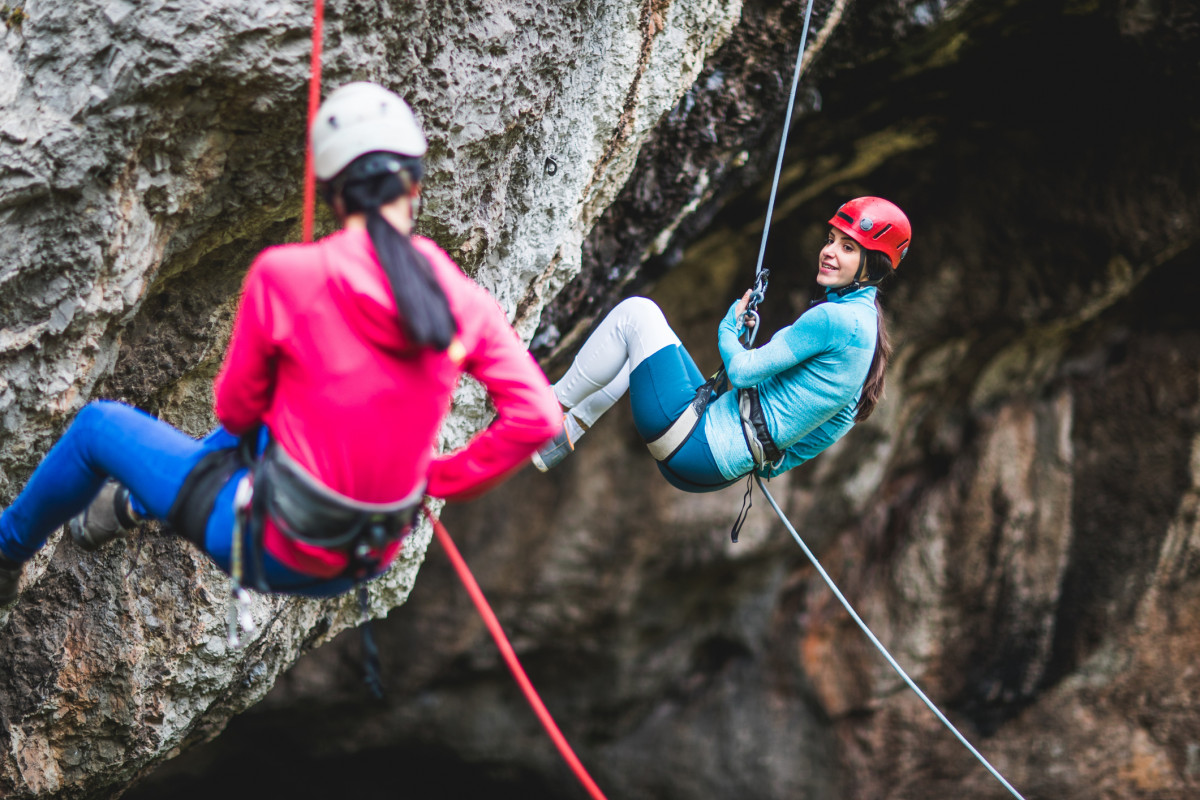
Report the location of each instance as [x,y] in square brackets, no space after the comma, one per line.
[1018,521]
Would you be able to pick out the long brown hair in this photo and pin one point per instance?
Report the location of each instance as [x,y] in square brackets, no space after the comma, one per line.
[872,391]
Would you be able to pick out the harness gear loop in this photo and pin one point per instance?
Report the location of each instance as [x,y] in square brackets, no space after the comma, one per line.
[744,511]
[238,613]
[763,450]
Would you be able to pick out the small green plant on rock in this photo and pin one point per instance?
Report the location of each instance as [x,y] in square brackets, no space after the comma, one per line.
[12,16]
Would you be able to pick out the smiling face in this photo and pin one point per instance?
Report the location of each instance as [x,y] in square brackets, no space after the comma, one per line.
[839,260]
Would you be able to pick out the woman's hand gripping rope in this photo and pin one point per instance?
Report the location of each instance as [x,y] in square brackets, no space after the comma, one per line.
[748,305]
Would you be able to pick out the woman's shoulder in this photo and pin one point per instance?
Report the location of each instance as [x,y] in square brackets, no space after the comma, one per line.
[282,268]
[473,305]
[849,315]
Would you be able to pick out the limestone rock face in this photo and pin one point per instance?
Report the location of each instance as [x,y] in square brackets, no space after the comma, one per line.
[148,150]
[1017,521]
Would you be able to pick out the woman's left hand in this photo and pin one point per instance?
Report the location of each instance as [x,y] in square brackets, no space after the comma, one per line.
[748,320]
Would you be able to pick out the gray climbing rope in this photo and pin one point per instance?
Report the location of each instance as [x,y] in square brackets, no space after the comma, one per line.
[879,645]
[757,294]
[760,275]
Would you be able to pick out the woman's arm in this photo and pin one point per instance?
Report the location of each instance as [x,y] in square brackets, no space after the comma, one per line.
[527,413]
[806,337]
[245,382]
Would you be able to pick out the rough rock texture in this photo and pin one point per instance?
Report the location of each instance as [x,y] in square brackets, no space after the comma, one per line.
[1018,522]
[149,150]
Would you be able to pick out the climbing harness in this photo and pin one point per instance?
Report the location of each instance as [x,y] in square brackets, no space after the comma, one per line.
[510,657]
[667,444]
[300,507]
[307,511]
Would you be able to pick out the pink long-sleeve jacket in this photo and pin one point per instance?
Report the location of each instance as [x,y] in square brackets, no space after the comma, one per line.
[319,356]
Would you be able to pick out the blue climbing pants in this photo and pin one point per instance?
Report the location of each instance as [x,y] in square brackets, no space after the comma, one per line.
[635,350]
[660,388]
[150,457]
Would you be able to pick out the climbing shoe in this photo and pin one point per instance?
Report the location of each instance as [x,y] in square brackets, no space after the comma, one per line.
[10,580]
[108,517]
[555,450]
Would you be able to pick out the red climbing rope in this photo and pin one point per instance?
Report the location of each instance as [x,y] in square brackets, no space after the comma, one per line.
[506,650]
[314,102]
[464,572]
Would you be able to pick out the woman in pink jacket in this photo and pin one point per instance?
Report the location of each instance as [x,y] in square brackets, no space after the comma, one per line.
[340,370]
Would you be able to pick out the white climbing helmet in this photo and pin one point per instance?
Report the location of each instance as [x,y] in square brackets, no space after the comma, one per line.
[362,118]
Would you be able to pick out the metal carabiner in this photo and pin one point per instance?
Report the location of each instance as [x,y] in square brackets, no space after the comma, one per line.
[750,331]
[759,292]
[239,614]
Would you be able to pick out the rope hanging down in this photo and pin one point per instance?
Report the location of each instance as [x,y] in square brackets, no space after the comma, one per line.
[760,288]
[760,274]
[510,656]
[879,645]
[460,565]
[314,102]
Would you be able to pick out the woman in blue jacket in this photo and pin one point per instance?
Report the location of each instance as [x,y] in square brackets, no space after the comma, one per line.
[796,395]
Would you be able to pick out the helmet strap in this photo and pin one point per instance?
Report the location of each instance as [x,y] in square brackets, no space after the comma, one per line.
[862,278]
[861,274]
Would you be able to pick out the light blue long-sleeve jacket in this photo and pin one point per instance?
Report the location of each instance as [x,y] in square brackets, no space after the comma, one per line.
[809,378]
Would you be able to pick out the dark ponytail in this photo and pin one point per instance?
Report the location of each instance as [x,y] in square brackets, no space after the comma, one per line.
[879,265]
[422,305]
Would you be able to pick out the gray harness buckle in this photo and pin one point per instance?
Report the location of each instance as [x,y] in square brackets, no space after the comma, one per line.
[763,450]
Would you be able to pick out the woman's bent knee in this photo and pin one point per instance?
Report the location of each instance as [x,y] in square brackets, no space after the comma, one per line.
[640,307]
[98,411]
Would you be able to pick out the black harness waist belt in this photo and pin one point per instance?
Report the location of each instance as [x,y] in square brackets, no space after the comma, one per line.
[308,511]
[194,504]
[301,507]
[754,427]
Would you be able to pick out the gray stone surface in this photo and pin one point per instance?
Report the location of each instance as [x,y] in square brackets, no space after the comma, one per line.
[148,150]
[1018,521]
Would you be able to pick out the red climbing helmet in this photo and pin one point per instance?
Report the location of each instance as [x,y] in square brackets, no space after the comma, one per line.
[876,224]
